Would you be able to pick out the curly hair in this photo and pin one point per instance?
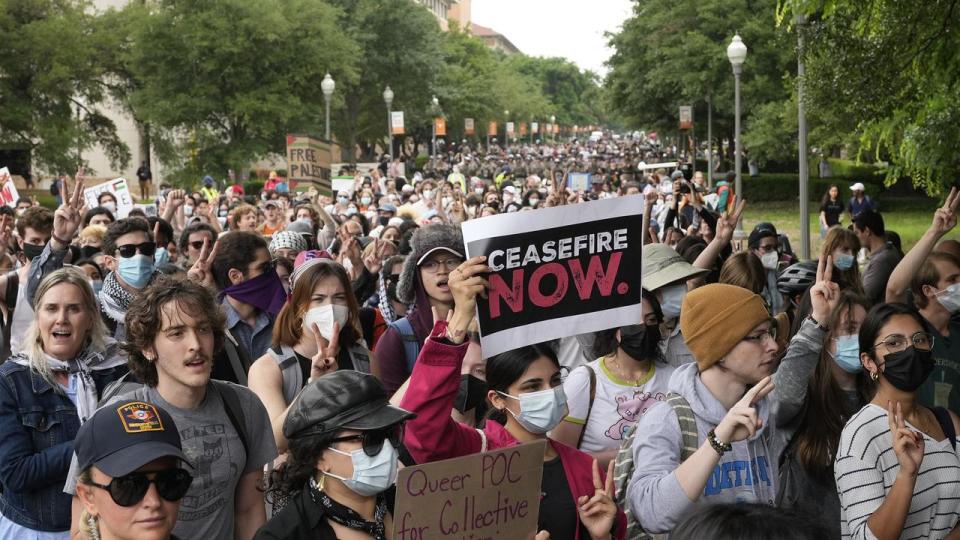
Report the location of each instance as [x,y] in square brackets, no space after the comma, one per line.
[144,319]
[37,218]
[301,463]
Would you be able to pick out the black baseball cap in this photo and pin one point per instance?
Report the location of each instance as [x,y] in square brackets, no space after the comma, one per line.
[342,400]
[125,435]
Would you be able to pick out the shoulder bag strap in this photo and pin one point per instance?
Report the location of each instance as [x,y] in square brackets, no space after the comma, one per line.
[593,395]
[688,424]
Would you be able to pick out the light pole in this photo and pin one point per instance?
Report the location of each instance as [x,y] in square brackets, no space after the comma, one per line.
[553,128]
[434,108]
[709,141]
[388,98]
[802,148]
[506,136]
[737,53]
[79,131]
[327,86]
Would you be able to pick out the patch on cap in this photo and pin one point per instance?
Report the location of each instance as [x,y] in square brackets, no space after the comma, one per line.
[139,417]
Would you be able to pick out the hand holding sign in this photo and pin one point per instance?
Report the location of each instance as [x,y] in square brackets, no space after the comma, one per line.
[598,513]
[741,421]
[466,282]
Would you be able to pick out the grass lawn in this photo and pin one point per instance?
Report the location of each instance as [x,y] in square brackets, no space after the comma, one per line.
[908,217]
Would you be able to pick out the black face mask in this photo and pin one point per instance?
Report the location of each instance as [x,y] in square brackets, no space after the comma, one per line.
[640,342]
[472,393]
[383,220]
[88,251]
[908,369]
[32,251]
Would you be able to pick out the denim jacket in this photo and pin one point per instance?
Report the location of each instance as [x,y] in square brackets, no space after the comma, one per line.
[38,425]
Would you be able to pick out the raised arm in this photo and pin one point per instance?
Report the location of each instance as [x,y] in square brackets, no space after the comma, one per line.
[722,234]
[66,222]
[944,220]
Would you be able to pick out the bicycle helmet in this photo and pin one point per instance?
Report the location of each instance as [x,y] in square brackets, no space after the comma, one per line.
[797,278]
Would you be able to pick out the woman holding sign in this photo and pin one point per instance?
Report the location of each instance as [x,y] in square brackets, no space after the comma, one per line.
[526,391]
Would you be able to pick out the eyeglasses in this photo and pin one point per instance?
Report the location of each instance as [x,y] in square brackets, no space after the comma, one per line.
[129,250]
[197,245]
[758,338]
[172,485]
[373,440]
[433,266]
[896,343]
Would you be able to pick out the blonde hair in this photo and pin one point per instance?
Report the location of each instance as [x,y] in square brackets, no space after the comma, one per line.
[89,525]
[93,232]
[36,357]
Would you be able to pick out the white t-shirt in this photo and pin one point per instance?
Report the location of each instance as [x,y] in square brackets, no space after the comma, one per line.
[617,404]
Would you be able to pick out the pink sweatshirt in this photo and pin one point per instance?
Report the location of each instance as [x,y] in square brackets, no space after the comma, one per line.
[433,435]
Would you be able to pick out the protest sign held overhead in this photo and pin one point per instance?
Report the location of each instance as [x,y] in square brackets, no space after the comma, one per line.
[8,191]
[558,271]
[119,188]
[309,160]
[492,495]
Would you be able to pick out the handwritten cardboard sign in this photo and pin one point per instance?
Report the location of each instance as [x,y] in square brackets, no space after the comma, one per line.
[558,268]
[309,160]
[494,495]
[8,191]
[120,190]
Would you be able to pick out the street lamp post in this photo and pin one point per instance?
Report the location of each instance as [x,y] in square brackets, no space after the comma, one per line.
[327,86]
[737,53]
[388,98]
[434,107]
[553,128]
[802,147]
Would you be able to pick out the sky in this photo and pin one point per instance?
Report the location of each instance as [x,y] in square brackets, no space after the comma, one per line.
[571,29]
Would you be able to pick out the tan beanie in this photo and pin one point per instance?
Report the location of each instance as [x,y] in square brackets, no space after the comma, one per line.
[714,318]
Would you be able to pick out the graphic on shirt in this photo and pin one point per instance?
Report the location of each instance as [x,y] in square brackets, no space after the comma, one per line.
[207,448]
[735,474]
[630,407]
[138,417]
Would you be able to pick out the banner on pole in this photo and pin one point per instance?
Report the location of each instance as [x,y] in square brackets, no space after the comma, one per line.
[534,128]
[396,122]
[493,495]
[523,129]
[492,129]
[468,128]
[509,129]
[686,117]
[309,160]
[119,188]
[556,129]
[439,127]
[558,268]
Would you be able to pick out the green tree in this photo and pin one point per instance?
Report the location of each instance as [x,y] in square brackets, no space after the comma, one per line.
[50,70]
[225,81]
[886,72]
[674,53]
[563,84]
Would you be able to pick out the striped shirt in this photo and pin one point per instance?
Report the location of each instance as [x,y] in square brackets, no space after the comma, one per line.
[867,466]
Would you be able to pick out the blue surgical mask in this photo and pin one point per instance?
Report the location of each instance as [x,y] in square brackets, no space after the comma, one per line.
[371,474]
[848,353]
[843,261]
[162,256]
[672,300]
[135,271]
[540,411]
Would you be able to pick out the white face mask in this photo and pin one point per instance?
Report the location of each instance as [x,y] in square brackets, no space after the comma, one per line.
[540,411]
[770,260]
[324,316]
[445,201]
[428,194]
[371,474]
[672,300]
[949,298]
[188,211]
[110,205]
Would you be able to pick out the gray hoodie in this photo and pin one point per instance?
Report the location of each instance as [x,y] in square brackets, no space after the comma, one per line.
[748,473]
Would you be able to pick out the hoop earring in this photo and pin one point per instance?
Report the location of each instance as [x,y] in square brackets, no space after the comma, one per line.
[875,375]
[94,528]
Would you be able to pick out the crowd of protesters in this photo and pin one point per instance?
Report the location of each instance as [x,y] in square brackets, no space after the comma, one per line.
[260,365]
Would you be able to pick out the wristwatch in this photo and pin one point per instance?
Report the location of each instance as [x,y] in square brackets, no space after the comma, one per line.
[718,446]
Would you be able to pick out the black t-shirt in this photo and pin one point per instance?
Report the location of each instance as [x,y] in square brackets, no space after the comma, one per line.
[833,210]
[558,510]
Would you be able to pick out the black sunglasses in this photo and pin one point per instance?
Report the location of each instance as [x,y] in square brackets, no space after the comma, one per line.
[172,485]
[129,250]
[373,440]
[197,244]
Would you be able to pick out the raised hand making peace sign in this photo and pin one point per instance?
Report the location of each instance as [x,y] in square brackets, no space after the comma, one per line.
[597,513]
[202,270]
[325,361]
[907,443]
[824,294]
[67,218]
[741,421]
